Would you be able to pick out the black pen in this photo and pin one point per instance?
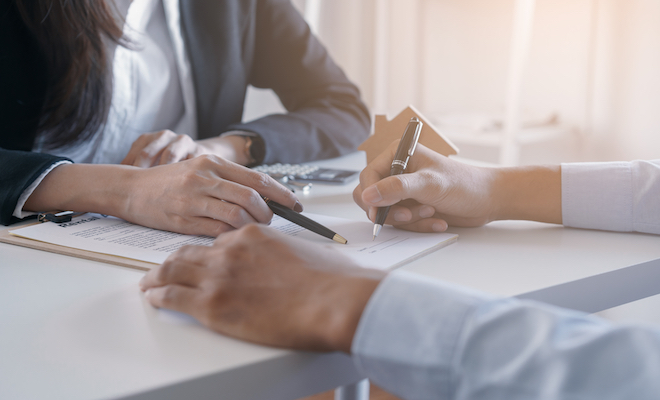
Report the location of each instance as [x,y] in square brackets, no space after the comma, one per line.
[303,221]
[405,150]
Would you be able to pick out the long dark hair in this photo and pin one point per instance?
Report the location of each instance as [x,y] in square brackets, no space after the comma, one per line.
[72,36]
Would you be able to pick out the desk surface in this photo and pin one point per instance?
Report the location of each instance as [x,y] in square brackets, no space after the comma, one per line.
[76,329]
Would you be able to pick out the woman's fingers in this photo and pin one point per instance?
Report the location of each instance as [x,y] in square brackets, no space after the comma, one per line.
[235,204]
[262,184]
[210,195]
[206,195]
[206,226]
[234,193]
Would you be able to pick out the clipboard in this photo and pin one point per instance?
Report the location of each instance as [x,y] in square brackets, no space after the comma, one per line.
[6,237]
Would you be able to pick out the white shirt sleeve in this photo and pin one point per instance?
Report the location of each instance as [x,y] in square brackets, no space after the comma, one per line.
[615,196]
[424,339]
[18,211]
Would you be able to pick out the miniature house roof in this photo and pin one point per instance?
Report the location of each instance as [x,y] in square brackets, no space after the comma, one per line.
[385,132]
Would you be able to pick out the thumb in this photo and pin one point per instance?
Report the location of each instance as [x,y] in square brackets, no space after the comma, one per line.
[392,190]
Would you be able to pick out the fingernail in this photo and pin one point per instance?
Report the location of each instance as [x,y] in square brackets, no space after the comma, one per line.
[426,212]
[141,284]
[298,207]
[147,293]
[401,216]
[372,195]
[439,227]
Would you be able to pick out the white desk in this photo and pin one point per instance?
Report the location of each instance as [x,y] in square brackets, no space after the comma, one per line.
[75,329]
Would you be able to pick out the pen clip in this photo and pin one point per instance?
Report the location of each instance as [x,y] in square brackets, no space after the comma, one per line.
[418,131]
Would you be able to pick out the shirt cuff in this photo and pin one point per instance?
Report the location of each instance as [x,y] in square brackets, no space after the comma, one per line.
[597,196]
[409,331]
[18,211]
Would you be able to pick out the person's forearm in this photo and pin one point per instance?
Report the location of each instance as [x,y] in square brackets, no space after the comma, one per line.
[426,339]
[528,193]
[83,187]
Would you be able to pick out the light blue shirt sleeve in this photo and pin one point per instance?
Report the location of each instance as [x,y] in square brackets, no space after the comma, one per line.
[425,339]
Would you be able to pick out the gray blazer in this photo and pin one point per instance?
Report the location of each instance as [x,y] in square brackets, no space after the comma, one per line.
[267,44]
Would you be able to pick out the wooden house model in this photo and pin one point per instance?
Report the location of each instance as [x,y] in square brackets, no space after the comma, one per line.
[385,132]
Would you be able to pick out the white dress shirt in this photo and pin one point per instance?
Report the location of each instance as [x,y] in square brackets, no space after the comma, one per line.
[152,89]
[614,196]
[425,339]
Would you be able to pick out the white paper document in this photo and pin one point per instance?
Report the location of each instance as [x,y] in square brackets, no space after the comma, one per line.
[109,235]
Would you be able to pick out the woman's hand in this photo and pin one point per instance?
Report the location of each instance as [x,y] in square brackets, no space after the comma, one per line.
[203,196]
[434,192]
[259,285]
[206,195]
[167,147]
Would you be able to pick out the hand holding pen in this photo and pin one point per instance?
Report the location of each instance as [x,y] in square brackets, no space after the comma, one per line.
[405,150]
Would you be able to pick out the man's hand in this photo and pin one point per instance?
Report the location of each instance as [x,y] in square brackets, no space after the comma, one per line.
[259,285]
[160,148]
[434,191]
[166,147]
[437,191]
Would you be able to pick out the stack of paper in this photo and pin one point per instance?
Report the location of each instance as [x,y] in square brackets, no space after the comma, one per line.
[108,235]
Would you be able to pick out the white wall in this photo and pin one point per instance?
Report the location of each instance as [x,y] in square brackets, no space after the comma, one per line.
[594,62]
[635,78]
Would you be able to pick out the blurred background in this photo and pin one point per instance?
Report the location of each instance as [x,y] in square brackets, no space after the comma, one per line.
[509,81]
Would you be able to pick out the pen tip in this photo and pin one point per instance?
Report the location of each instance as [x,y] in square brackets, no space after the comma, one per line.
[377,228]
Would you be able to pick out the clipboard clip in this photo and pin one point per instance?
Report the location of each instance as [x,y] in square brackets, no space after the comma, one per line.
[58,218]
